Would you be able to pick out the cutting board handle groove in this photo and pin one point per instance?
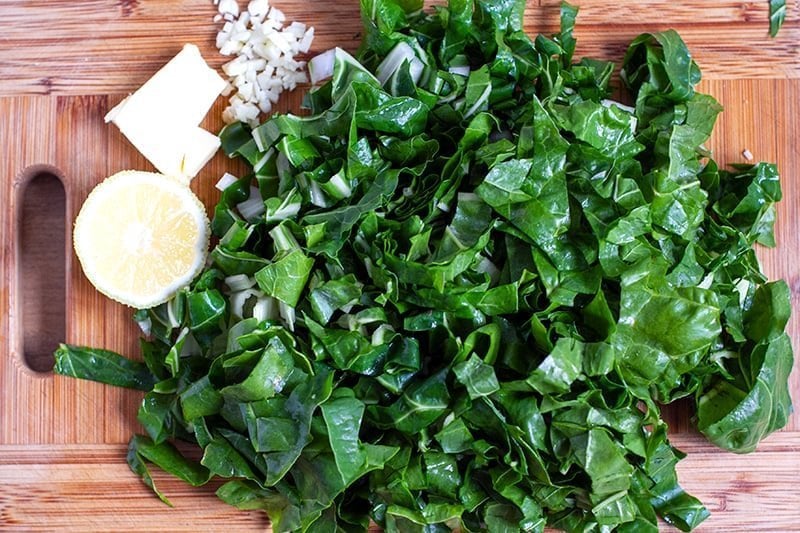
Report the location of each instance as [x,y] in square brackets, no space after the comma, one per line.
[41,265]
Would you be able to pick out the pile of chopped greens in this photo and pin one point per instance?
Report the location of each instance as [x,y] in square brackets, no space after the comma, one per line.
[459,291]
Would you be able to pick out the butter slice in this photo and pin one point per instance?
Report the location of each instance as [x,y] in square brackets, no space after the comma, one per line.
[175,151]
[161,119]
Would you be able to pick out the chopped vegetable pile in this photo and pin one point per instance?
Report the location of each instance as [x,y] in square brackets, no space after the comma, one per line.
[458,292]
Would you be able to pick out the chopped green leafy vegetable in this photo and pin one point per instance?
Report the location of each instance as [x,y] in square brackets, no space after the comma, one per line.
[777,14]
[475,282]
[104,366]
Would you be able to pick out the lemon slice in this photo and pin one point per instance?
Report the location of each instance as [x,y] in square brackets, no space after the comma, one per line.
[140,237]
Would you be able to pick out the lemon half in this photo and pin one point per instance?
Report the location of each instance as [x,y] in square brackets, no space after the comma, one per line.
[140,237]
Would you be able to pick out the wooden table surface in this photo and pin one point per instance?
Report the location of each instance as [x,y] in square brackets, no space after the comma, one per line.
[63,64]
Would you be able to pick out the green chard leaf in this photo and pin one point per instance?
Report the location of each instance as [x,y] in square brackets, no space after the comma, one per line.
[777,14]
[286,278]
[142,450]
[104,366]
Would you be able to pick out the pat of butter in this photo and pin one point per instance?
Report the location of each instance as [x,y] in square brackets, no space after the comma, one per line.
[161,119]
[175,151]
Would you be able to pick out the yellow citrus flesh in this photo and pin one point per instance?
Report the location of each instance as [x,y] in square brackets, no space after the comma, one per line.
[140,237]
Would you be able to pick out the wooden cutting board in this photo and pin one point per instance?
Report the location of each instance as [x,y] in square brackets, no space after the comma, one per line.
[63,64]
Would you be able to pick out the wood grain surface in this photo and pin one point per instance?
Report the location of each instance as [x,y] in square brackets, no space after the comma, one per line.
[63,64]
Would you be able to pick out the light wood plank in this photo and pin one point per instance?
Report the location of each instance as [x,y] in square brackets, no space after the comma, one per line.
[107,47]
[29,140]
[90,488]
[694,12]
